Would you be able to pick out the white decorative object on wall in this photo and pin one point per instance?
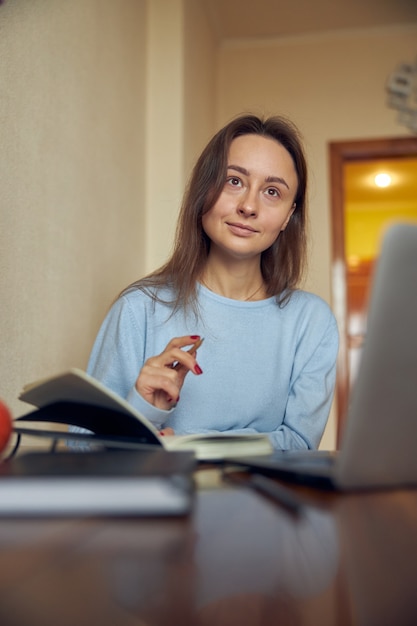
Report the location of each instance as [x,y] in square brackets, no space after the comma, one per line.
[402,94]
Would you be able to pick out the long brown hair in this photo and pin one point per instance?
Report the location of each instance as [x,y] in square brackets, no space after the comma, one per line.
[282,264]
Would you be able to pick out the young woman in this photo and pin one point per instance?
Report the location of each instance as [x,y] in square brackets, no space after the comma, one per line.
[267,363]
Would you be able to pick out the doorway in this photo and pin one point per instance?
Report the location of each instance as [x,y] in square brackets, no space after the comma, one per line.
[357,227]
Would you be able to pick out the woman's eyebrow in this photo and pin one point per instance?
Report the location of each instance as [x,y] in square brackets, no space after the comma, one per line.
[242,170]
[276,179]
[268,179]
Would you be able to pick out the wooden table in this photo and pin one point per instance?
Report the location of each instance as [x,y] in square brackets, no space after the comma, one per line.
[237,559]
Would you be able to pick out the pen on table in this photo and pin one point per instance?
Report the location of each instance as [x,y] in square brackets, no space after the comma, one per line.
[270,488]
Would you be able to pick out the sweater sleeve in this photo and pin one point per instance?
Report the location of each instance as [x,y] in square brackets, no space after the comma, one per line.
[118,356]
[311,392]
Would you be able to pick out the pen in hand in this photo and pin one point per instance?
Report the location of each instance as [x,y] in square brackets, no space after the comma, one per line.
[191,351]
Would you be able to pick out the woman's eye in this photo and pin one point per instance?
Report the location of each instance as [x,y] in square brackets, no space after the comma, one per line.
[234,181]
[274,193]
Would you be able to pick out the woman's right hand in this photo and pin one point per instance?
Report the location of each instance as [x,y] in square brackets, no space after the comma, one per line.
[162,377]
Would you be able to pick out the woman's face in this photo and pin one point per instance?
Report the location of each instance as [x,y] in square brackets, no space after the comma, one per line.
[257,199]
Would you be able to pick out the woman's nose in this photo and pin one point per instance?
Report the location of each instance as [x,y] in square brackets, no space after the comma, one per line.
[248,205]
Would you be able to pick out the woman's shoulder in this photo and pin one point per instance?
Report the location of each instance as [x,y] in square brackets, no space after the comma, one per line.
[310,304]
[137,302]
[301,297]
[146,294]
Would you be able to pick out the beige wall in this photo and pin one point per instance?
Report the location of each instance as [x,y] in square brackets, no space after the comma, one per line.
[200,56]
[333,87]
[164,126]
[72,161]
[103,107]
[181,112]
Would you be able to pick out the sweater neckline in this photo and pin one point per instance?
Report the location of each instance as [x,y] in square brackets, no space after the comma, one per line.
[203,290]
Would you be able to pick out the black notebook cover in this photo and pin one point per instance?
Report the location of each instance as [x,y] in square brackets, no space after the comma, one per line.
[98,419]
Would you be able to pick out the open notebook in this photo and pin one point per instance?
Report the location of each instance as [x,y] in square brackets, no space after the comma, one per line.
[380,437]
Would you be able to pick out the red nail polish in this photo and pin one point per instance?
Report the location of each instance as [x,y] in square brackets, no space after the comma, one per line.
[194,337]
[178,399]
[161,433]
[197,369]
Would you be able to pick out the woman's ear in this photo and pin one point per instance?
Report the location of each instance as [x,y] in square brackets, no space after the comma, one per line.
[285,224]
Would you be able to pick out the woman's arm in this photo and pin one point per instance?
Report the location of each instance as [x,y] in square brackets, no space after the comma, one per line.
[310,394]
[118,359]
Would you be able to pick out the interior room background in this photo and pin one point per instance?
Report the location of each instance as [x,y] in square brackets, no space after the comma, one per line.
[103,108]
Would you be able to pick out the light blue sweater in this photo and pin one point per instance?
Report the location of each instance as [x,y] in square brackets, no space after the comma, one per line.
[266,368]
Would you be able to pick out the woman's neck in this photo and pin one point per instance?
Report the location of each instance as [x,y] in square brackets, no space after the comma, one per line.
[236,281]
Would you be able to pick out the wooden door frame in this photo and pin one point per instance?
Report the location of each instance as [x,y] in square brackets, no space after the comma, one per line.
[341,152]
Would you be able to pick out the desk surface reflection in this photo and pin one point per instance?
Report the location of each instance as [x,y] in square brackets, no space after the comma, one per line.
[238,559]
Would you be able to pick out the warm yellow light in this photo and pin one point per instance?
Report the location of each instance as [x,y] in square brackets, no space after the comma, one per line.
[382,180]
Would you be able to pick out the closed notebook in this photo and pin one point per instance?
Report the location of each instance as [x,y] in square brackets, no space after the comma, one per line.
[113,483]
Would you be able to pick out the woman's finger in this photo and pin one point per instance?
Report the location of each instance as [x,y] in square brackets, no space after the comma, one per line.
[193,350]
[175,358]
[167,431]
[161,378]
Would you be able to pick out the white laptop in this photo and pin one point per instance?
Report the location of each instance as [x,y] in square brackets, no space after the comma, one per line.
[379,443]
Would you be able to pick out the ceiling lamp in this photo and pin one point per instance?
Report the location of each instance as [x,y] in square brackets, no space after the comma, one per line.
[382,180]
[402,94]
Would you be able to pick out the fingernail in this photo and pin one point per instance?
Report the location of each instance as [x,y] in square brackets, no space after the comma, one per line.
[178,399]
[197,369]
[194,337]
[161,433]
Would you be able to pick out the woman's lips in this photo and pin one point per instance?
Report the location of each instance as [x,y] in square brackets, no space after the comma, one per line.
[242,230]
